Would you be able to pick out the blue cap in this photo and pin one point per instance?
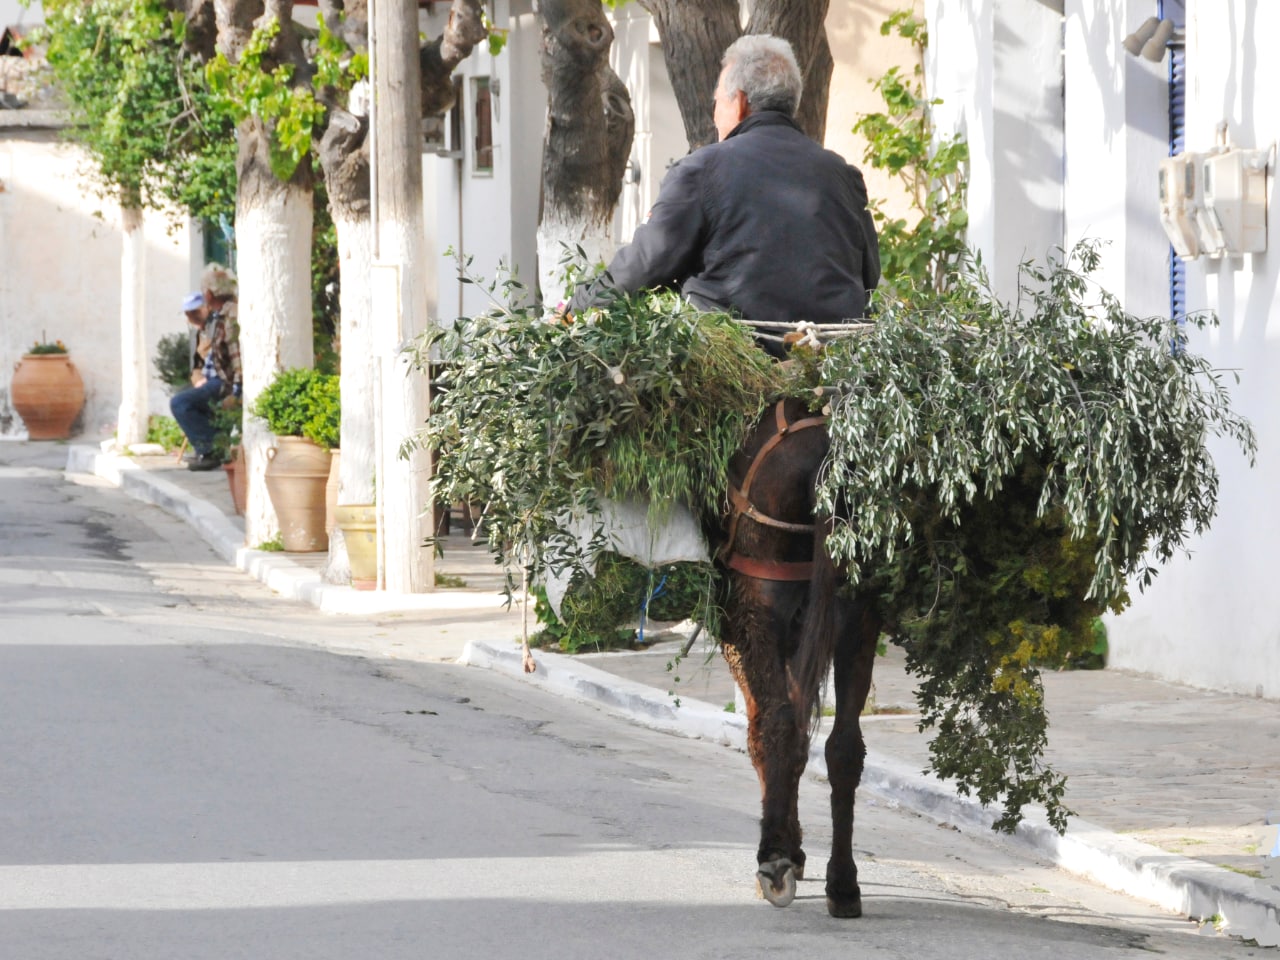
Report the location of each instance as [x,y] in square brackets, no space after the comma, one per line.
[192,301]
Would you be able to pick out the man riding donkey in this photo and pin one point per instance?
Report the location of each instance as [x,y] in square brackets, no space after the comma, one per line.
[769,226]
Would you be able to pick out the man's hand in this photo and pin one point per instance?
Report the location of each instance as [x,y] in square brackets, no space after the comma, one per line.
[197,378]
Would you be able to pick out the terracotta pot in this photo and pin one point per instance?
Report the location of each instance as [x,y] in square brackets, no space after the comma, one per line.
[48,394]
[238,479]
[359,524]
[296,475]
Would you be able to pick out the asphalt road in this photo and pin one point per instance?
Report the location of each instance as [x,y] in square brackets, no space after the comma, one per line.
[191,768]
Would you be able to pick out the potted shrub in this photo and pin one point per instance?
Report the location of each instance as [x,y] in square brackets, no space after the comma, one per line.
[302,408]
[47,390]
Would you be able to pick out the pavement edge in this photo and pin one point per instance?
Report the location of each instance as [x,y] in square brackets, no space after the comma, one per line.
[1247,908]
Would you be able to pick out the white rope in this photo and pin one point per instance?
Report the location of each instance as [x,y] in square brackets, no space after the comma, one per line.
[812,334]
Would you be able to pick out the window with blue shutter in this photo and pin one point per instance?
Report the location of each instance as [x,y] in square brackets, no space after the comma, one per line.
[1176,11]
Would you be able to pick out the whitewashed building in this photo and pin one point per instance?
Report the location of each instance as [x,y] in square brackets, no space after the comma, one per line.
[1067,130]
[60,251]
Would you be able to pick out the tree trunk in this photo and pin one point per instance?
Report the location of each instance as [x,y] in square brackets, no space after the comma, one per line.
[802,23]
[695,35]
[343,151]
[273,246]
[812,115]
[131,423]
[399,297]
[344,157]
[590,127]
[438,58]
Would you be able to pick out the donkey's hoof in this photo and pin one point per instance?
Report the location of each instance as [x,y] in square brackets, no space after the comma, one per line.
[844,909]
[777,881]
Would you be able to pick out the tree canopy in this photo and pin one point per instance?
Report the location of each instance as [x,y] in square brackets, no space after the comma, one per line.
[139,106]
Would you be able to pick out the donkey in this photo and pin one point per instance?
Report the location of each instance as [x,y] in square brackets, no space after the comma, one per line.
[785,622]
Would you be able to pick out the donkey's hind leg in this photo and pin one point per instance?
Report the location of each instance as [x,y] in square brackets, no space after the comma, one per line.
[855,653]
[756,641]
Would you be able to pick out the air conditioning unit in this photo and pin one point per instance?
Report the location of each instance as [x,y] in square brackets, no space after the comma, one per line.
[1181,201]
[1235,197]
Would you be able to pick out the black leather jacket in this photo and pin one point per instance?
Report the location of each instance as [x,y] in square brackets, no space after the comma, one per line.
[766,224]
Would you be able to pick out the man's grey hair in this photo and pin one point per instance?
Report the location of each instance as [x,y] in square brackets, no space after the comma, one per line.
[764,67]
[219,281]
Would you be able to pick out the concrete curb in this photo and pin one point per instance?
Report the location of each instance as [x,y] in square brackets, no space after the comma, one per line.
[638,702]
[277,571]
[1247,907]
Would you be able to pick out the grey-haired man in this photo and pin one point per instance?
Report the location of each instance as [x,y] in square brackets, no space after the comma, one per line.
[765,223]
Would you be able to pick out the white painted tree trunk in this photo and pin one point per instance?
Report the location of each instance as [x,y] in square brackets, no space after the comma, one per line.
[358,442]
[556,239]
[131,421]
[399,297]
[273,257]
[359,447]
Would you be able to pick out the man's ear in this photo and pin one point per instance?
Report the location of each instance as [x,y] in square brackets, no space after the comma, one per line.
[743,107]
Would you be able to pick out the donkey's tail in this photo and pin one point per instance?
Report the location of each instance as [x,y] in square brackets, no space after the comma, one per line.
[818,629]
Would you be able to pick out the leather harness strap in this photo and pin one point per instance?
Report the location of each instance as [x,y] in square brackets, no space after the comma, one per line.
[786,570]
[741,505]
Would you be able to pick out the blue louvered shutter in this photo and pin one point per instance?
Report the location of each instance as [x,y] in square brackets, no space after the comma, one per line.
[1174,10]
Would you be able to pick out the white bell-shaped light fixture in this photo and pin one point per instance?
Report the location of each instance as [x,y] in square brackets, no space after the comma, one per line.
[1135,41]
[1154,49]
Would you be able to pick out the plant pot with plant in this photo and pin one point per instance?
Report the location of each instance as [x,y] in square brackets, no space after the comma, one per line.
[47,390]
[302,408]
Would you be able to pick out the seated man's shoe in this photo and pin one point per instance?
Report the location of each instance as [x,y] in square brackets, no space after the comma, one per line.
[206,461]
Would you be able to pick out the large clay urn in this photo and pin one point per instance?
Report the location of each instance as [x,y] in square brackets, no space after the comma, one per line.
[296,475]
[48,394]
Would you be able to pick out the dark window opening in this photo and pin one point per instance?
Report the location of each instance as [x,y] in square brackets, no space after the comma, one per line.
[482,159]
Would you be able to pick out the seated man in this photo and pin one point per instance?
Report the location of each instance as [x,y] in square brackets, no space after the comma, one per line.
[766,223]
[215,375]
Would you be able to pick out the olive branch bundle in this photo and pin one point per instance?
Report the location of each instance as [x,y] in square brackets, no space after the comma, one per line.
[999,474]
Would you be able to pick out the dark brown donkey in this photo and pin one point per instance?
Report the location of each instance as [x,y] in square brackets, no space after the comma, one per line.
[784,624]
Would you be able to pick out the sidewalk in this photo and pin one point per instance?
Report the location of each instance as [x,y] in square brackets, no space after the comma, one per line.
[1173,786]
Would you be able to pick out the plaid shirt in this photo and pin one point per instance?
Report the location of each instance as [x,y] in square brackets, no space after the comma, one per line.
[218,345]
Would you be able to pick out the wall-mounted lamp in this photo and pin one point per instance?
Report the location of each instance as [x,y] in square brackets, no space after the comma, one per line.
[1151,40]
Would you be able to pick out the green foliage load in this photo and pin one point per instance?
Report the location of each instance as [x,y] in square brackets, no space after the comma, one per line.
[997,474]
[536,420]
[623,592]
[302,403]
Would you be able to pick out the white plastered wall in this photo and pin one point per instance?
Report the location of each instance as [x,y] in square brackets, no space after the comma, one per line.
[60,248]
[491,217]
[1213,619]
[997,66]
